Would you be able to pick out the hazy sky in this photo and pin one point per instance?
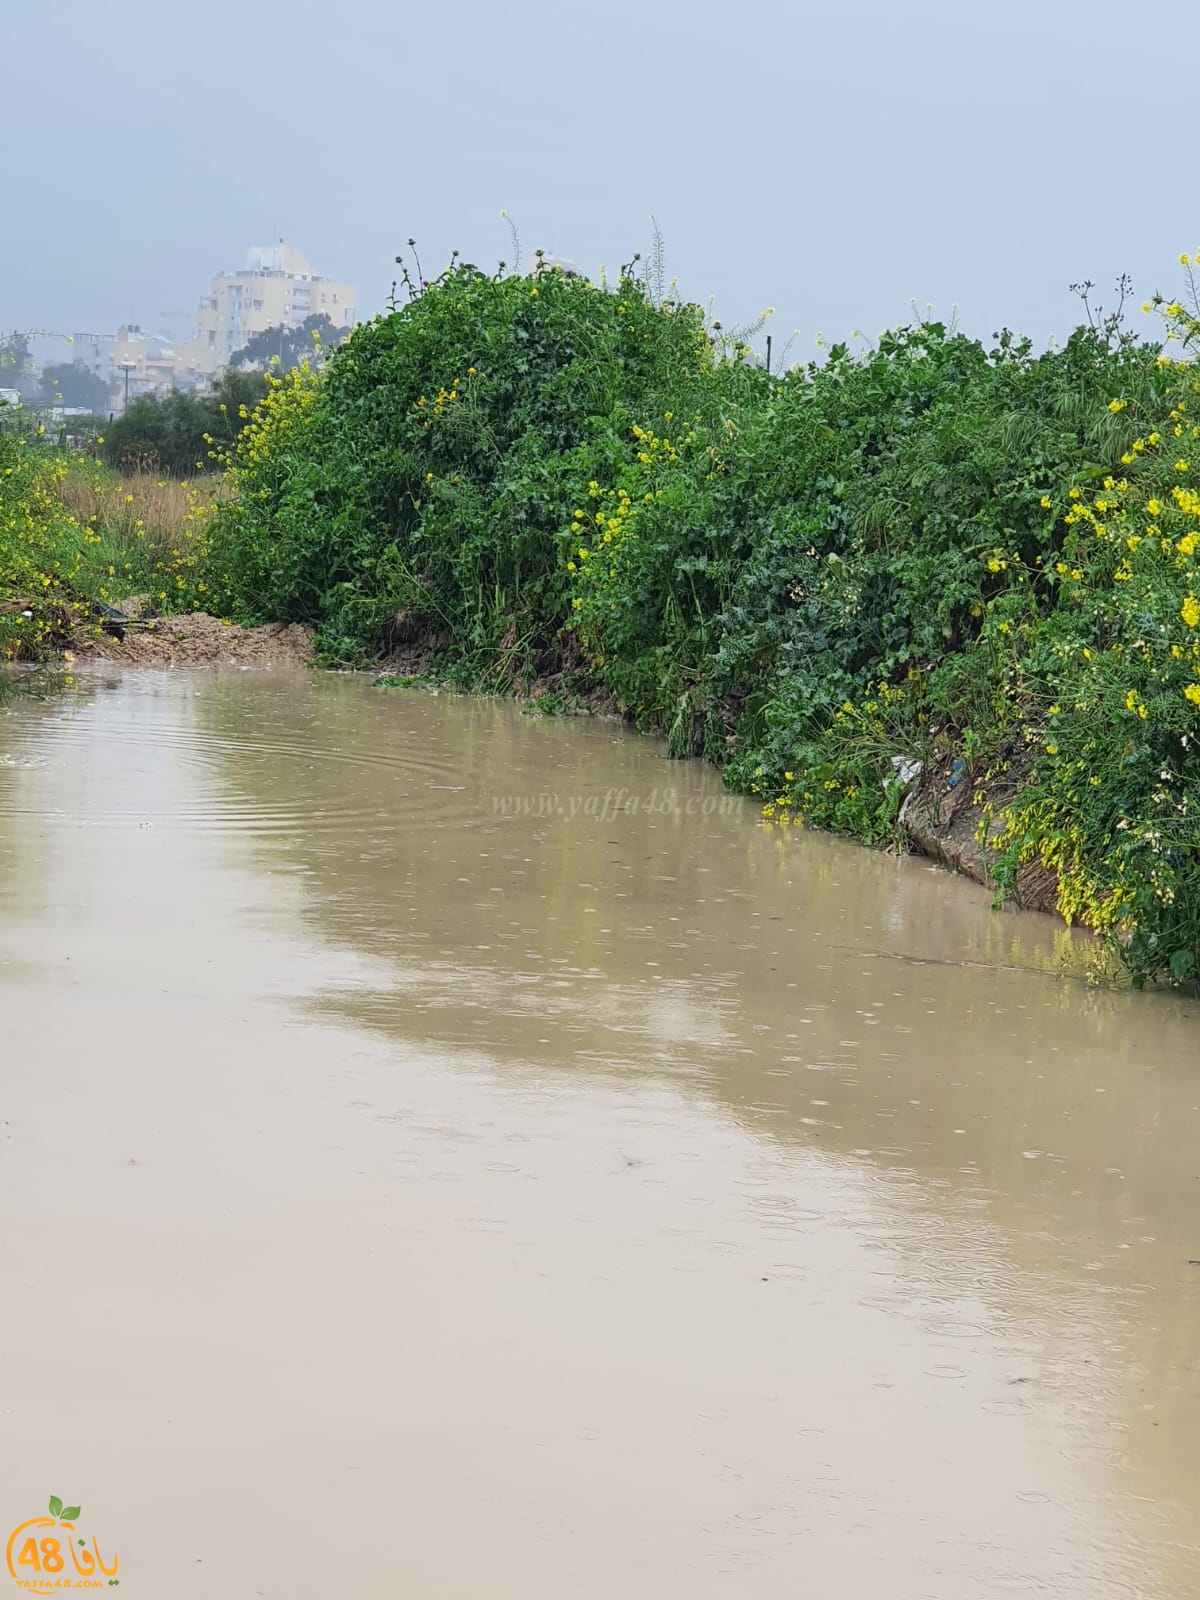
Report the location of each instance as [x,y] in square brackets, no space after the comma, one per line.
[832,160]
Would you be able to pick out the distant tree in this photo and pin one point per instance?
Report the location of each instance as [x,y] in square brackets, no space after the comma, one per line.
[16,365]
[166,432]
[73,384]
[289,345]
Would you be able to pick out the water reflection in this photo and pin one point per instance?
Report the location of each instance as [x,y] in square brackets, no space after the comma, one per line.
[966,1182]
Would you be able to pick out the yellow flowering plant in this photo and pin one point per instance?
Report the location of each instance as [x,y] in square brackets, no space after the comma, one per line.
[427,480]
[1114,812]
[976,563]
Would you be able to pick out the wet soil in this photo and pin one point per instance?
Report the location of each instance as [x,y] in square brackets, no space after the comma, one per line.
[943,824]
[195,639]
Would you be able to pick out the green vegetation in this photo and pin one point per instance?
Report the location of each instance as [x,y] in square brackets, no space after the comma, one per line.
[929,549]
[70,383]
[974,556]
[72,533]
[172,434]
[283,349]
[16,364]
[426,479]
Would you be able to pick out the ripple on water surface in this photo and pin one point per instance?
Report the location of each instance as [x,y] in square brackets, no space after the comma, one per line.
[685,1208]
[312,786]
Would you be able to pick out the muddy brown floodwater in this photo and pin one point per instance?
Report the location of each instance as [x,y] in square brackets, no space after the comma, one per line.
[403,1198]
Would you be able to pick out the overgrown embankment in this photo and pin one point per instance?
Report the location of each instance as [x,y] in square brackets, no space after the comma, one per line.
[72,533]
[100,565]
[979,560]
[975,563]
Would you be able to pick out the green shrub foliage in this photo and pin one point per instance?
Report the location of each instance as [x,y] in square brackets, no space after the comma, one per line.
[972,555]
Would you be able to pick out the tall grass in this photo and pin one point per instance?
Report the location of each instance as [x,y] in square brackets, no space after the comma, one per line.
[147,534]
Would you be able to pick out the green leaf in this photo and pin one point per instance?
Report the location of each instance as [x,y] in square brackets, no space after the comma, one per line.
[1181,964]
[55,1506]
[70,1513]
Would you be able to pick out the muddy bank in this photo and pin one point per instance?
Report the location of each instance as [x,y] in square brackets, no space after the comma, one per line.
[416,653]
[195,640]
[942,822]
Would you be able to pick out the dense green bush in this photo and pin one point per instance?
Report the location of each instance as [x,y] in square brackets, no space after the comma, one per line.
[930,550]
[174,433]
[431,473]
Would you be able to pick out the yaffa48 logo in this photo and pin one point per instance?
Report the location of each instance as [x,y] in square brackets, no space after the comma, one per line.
[46,1554]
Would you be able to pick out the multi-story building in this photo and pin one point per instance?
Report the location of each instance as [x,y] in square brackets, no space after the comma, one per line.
[139,363]
[276,288]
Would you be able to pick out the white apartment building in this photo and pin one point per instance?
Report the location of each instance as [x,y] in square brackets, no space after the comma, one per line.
[277,287]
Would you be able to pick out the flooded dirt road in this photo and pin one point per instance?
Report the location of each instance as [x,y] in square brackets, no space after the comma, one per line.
[404,1197]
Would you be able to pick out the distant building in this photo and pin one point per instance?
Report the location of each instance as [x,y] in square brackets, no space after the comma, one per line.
[276,288]
[142,363]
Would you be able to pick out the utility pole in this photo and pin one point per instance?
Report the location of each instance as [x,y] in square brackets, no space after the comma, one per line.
[127,367]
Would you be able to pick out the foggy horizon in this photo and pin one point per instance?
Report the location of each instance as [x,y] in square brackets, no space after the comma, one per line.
[847,166]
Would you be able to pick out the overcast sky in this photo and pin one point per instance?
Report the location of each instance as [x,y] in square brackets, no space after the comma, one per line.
[831,160]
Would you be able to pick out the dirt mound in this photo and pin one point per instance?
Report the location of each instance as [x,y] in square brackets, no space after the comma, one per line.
[196,640]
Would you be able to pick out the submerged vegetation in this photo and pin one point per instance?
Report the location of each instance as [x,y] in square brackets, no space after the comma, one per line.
[974,557]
